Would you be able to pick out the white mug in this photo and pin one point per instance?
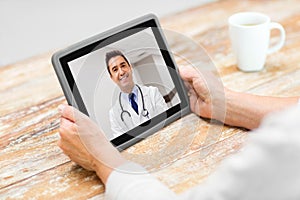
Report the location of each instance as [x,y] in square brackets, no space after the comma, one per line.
[250,35]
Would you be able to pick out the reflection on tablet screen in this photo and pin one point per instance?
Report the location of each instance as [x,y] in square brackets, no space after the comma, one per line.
[125,84]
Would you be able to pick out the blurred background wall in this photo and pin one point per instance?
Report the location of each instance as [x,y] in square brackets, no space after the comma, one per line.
[32,27]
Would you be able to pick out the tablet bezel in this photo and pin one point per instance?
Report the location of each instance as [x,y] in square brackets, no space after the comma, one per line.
[60,62]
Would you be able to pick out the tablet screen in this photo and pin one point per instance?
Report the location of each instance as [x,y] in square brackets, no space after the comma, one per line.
[126,82]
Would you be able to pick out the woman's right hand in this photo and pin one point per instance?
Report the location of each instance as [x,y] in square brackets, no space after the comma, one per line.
[206,93]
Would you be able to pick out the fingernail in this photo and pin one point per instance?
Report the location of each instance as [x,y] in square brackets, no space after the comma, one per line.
[61,108]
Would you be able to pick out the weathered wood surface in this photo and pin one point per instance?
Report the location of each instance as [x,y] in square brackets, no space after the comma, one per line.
[31,164]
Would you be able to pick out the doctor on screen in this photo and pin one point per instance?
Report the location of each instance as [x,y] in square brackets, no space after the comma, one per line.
[136,103]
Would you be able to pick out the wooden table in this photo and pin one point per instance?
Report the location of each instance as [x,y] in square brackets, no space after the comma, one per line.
[32,166]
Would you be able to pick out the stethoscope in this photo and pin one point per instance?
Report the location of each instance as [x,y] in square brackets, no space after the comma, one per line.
[145,112]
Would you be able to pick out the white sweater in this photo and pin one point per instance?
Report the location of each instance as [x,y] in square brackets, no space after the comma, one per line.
[268,167]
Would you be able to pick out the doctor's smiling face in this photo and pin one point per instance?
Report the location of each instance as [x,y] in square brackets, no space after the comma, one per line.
[120,72]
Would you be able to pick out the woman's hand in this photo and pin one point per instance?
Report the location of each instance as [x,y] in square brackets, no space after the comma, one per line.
[209,99]
[84,143]
[206,93]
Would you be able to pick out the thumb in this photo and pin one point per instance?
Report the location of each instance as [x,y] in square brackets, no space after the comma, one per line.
[71,113]
[188,73]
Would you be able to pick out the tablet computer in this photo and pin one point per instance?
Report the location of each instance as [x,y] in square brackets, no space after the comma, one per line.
[125,80]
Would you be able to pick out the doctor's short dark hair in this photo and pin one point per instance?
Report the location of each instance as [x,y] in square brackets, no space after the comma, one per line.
[112,54]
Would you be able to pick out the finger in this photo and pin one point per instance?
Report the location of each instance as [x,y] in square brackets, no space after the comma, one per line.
[67,128]
[70,113]
[63,147]
[188,73]
[59,143]
[65,112]
[193,102]
[201,89]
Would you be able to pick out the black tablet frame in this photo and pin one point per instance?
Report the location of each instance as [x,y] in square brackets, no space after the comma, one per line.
[61,59]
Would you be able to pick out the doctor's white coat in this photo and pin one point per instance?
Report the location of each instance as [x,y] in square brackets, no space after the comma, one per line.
[154,103]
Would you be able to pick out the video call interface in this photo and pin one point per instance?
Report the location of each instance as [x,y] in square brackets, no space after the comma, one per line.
[130,89]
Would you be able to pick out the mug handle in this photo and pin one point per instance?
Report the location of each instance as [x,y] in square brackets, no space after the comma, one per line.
[274,25]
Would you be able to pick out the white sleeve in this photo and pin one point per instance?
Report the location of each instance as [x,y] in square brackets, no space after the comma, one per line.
[131,181]
[266,168]
[114,124]
[160,103]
